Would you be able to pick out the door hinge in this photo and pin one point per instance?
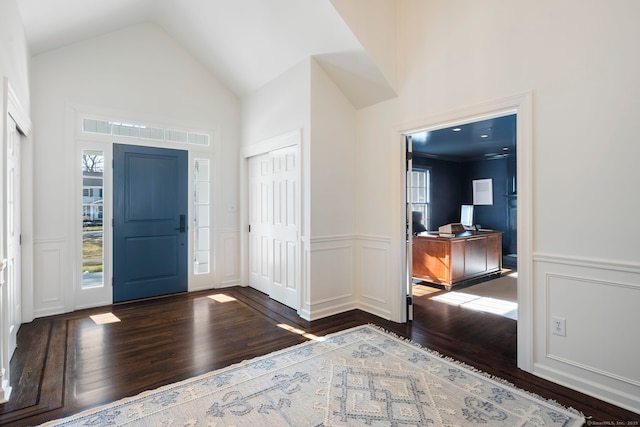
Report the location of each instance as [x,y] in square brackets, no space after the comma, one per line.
[249,228]
[408,159]
[409,300]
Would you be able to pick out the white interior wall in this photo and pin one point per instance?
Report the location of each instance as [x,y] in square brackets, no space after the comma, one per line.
[14,53]
[14,67]
[579,61]
[374,22]
[140,74]
[279,107]
[333,243]
[332,158]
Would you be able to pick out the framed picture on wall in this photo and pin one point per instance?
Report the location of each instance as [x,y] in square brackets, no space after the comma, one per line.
[483,191]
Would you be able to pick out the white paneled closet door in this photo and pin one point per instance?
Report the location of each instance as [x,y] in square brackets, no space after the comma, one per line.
[12,233]
[274,217]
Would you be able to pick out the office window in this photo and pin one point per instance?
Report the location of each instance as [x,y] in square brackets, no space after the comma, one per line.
[421,194]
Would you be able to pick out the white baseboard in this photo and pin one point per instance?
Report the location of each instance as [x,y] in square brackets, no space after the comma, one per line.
[611,395]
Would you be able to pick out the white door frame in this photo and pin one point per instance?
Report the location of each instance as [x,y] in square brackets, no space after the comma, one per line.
[101,295]
[74,296]
[522,105]
[289,139]
[408,173]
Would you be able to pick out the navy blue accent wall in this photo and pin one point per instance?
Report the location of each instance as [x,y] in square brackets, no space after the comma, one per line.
[447,179]
[452,186]
[489,216]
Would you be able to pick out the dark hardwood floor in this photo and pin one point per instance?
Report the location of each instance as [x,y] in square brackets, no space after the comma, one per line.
[68,363]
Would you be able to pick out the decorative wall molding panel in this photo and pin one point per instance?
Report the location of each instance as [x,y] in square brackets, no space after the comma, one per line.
[358,277]
[373,275]
[331,260]
[229,258]
[50,260]
[588,356]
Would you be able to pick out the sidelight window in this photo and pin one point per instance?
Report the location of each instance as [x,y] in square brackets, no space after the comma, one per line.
[201,216]
[92,219]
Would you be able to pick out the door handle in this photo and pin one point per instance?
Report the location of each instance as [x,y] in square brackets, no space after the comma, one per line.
[183,224]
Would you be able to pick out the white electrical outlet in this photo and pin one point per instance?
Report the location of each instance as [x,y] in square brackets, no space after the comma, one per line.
[559,326]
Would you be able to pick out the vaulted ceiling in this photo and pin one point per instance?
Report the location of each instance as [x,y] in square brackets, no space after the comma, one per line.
[245,43]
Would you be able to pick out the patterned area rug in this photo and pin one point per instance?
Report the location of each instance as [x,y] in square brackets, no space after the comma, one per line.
[358,377]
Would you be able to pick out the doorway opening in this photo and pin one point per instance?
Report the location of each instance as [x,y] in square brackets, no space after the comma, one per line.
[462,251]
[458,160]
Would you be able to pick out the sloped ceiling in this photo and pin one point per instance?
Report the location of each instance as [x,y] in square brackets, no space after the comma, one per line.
[245,43]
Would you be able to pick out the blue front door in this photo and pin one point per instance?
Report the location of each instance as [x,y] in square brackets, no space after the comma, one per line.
[150,222]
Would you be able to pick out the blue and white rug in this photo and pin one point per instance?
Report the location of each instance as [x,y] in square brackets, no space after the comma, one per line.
[358,377]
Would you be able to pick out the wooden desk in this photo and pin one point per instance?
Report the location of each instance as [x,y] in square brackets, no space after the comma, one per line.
[451,260]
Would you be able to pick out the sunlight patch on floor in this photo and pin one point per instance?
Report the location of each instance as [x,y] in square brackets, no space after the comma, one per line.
[298,331]
[221,298]
[104,318]
[420,290]
[474,302]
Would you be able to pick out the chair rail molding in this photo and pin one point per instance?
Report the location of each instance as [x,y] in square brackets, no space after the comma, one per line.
[599,263]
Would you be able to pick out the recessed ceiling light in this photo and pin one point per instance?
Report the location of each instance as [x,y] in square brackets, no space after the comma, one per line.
[484,136]
[456,129]
[505,149]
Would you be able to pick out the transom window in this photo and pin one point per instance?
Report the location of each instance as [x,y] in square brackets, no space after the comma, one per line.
[133,130]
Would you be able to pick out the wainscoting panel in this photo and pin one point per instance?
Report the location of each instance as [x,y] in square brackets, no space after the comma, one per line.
[331,275]
[373,279]
[230,271]
[305,294]
[598,302]
[617,304]
[50,270]
[224,263]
